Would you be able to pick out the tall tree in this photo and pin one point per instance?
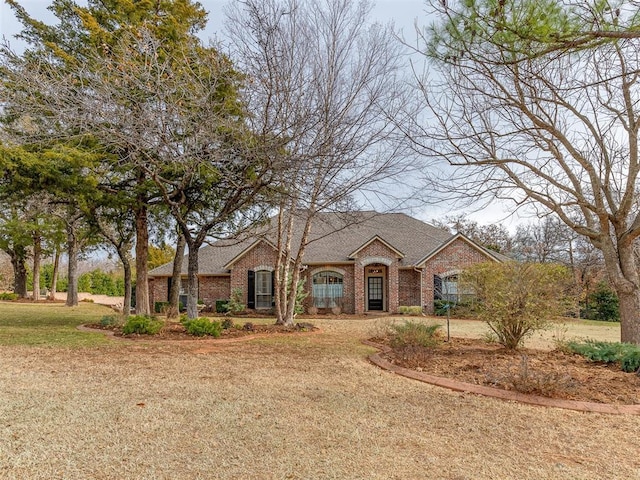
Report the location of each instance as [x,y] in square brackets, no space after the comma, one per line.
[76,46]
[325,84]
[536,102]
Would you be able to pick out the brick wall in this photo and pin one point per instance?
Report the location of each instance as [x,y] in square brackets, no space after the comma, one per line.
[214,288]
[158,290]
[408,287]
[262,255]
[457,256]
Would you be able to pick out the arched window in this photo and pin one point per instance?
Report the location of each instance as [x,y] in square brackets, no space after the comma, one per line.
[327,289]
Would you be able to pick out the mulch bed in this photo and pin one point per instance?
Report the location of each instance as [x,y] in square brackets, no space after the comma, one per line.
[176,331]
[553,374]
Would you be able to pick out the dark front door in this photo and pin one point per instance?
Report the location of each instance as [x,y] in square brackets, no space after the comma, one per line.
[374,290]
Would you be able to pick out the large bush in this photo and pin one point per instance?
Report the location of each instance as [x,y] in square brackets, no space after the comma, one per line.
[516,299]
[602,304]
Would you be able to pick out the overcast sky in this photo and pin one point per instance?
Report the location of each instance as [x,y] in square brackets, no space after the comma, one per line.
[402,12]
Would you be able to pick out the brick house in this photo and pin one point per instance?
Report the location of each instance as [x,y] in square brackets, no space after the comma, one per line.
[361,262]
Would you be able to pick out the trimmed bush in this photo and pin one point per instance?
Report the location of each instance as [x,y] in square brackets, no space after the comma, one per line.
[109,321]
[202,326]
[141,325]
[415,310]
[8,297]
[221,306]
[627,355]
[412,334]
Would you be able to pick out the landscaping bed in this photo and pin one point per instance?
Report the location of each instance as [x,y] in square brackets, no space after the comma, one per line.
[555,373]
[177,331]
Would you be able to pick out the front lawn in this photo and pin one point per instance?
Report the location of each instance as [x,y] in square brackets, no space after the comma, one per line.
[50,324]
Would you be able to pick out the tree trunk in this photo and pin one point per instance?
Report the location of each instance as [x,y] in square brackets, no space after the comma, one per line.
[72,273]
[623,275]
[142,247]
[174,293]
[18,261]
[629,320]
[54,276]
[123,253]
[37,254]
[192,285]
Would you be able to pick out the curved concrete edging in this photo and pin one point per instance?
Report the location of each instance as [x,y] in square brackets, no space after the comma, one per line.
[458,386]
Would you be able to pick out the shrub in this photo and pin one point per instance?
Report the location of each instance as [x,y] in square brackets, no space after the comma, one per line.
[249,327]
[517,299]
[235,305]
[414,334]
[627,355]
[221,306]
[160,307]
[142,325]
[202,326]
[109,321]
[227,323]
[9,297]
[415,310]
[602,304]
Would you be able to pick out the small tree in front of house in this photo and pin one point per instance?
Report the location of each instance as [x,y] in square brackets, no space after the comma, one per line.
[518,299]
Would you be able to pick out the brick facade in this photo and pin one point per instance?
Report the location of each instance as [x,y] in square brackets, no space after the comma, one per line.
[402,284]
[212,288]
[455,257]
[409,287]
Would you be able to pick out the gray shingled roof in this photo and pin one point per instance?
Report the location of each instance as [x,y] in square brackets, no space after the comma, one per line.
[333,238]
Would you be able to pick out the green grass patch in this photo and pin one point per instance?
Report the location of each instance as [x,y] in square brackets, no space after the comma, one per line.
[50,324]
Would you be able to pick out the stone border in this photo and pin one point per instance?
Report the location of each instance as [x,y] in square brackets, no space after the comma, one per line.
[458,386]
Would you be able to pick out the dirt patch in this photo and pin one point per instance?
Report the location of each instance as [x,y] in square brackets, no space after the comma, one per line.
[553,374]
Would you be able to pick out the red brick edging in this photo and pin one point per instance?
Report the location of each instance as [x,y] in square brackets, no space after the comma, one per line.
[458,386]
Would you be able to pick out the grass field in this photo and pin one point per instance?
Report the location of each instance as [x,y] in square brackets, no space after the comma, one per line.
[299,407]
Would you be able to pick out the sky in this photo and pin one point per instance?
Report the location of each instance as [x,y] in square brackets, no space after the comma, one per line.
[403,13]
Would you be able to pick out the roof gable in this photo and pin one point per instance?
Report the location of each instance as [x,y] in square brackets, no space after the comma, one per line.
[378,238]
[458,236]
[229,264]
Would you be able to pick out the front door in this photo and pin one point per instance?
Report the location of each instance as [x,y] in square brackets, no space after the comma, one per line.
[374,293]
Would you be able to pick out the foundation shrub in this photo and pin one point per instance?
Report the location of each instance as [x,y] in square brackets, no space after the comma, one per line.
[235,305]
[414,310]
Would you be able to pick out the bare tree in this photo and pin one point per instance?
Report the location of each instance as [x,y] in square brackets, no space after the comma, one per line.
[536,102]
[493,236]
[324,86]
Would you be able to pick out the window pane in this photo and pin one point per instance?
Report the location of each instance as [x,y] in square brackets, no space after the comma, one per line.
[327,289]
[263,289]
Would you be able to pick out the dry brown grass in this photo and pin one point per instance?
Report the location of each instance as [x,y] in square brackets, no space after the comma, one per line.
[303,407]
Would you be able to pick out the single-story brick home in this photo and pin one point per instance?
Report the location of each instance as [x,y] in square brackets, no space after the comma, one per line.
[360,262]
